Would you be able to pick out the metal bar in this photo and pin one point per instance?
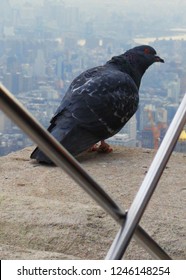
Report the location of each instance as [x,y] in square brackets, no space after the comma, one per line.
[153,248]
[149,184]
[58,154]
[140,235]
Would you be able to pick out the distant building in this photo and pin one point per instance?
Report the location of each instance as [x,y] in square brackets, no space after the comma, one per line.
[27,83]
[173,91]
[171,111]
[127,135]
[12,64]
[40,64]
[147,139]
[130,128]
[17,83]
[60,68]
[7,80]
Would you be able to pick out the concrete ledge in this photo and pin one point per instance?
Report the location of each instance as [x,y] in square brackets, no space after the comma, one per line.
[46,215]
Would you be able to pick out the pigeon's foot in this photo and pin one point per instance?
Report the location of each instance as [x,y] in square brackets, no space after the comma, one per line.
[102,148]
[94,148]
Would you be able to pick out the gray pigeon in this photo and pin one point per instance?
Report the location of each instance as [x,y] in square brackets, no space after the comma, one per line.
[99,102]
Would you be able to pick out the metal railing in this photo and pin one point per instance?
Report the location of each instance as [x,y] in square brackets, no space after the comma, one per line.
[129,221]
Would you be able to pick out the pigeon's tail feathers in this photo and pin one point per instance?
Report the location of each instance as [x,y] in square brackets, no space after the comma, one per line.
[58,133]
[76,141]
[40,156]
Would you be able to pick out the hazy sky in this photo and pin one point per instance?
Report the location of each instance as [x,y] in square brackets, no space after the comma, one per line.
[160,3]
[154,14]
[138,6]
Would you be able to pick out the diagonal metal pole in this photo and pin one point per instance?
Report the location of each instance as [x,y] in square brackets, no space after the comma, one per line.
[149,184]
[62,158]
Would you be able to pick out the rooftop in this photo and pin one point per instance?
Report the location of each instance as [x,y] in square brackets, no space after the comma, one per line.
[46,215]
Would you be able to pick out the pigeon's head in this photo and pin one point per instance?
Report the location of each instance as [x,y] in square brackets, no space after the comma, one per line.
[146,54]
[136,61]
[139,59]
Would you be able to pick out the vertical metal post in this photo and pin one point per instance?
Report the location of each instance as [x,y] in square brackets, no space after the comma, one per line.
[149,184]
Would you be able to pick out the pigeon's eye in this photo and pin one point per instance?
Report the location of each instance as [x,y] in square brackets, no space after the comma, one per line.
[147,51]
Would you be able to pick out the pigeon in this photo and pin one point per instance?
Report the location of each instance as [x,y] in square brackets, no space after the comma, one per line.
[99,102]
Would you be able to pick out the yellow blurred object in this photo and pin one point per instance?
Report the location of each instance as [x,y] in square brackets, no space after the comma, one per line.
[182,136]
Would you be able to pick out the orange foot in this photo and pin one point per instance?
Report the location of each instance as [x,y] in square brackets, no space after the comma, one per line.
[102,148]
[94,148]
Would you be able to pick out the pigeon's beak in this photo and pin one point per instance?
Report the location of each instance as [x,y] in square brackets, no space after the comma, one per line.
[159,59]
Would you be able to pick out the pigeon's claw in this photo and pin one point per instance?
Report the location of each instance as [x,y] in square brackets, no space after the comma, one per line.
[104,148]
[94,148]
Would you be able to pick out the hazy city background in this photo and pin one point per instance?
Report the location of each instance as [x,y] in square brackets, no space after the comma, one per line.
[44,44]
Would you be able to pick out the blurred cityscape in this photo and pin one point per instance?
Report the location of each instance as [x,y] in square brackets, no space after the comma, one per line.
[45,44]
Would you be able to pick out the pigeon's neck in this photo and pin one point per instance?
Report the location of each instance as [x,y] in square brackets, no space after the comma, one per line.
[130,66]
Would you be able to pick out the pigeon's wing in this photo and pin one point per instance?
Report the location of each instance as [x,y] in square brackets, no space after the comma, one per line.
[75,90]
[105,103]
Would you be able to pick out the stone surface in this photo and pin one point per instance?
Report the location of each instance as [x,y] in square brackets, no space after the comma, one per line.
[46,215]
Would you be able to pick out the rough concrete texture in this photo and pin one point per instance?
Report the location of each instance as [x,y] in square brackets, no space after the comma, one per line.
[46,215]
